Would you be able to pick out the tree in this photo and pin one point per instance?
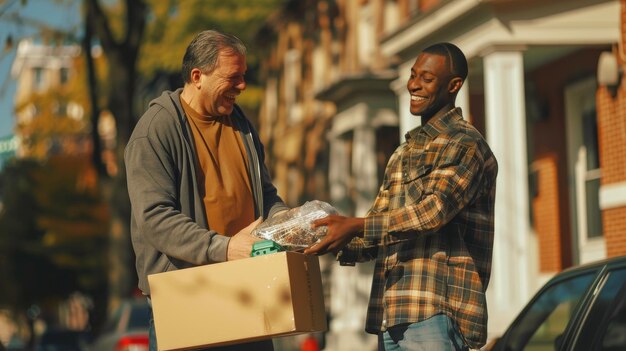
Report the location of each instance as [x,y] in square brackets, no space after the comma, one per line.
[120,43]
[53,220]
[52,227]
[173,24]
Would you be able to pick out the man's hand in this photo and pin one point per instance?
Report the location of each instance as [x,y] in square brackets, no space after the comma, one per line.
[340,231]
[240,245]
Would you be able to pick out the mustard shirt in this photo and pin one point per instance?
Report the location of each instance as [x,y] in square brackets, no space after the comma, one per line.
[222,176]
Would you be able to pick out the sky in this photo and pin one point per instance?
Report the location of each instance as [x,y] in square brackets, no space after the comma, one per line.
[58,14]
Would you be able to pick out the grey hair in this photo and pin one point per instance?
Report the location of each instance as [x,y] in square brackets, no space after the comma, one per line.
[204,50]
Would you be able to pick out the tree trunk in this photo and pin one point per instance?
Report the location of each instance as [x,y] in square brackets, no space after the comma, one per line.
[122,59]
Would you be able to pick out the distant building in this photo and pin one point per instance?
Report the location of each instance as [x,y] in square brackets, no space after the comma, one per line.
[42,69]
[39,67]
[336,105]
[52,70]
[8,148]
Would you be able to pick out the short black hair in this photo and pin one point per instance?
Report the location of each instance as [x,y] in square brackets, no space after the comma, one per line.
[455,57]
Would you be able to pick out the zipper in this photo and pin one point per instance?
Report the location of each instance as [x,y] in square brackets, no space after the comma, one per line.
[257,178]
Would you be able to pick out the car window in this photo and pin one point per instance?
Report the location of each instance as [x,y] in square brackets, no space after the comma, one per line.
[605,327]
[543,323]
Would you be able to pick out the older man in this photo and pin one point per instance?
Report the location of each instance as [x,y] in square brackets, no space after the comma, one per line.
[195,167]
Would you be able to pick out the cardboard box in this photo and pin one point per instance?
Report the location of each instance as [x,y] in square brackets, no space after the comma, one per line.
[245,300]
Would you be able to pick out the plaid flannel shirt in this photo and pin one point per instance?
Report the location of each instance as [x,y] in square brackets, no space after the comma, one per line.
[431,230]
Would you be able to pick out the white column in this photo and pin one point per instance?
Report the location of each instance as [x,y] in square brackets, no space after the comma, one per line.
[506,134]
[407,120]
[462,99]
[364,169]
[339,175]
[350,286]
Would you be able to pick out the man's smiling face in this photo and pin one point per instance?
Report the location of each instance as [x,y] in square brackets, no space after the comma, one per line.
[220,87]
[429,85]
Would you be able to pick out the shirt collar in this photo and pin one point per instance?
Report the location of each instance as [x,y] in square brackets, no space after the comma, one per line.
[434,127]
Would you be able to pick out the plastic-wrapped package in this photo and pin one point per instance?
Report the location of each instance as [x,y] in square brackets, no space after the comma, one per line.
[292,229]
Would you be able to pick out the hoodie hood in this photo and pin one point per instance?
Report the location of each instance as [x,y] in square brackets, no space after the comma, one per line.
[169,100]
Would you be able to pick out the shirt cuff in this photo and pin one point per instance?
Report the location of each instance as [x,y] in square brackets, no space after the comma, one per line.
[216,252]
[357,250]
[376,225]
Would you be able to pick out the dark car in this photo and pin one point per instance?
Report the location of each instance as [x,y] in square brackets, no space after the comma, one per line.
[56,339]
[126,329]
[580,309]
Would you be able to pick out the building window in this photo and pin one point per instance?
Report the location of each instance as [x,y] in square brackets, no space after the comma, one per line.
[64,75]
[584,169]
[592,174]
[387,141]
[414,6]
[292,78]
[38,80]
[365,35]
[342,187]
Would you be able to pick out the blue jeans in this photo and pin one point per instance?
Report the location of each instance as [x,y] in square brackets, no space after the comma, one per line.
[264,345]
[437,333]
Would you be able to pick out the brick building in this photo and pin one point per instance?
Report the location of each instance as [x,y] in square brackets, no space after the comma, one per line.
[611,105]
[336,106]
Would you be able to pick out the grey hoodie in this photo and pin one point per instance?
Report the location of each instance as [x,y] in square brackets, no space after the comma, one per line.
[169,228]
